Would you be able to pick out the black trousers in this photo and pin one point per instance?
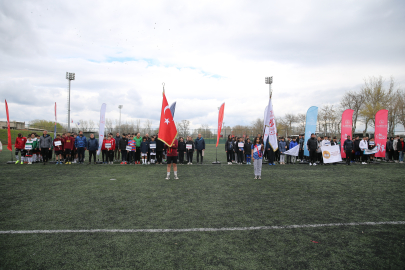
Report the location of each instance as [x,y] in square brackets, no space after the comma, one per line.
[270,156]
[104,154]
[123,155]
[181,157]
[240,156]
[229,155]
[111,155]
[320,158]
[80,152]
[312,156]
[301,154]
[159,155]
[348,155]
[92,153]
[138,154]
[117,154]
[129,156]
[44,153]
[199,153]
[190,154]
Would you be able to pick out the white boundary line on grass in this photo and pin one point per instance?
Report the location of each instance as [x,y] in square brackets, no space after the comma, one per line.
[206,229]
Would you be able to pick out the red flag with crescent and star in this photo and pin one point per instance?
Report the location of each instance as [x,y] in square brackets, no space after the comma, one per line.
[167,128]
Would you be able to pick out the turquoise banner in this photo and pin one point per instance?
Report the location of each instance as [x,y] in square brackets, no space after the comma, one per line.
[310,126]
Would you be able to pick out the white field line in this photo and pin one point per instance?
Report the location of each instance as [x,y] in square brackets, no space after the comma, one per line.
[206,229]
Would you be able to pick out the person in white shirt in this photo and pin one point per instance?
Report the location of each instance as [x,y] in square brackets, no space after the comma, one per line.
[325,142]
[363,146]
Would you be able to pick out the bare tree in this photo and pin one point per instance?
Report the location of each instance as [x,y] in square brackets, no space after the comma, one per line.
[108,124]
[257,126]
[301,118]
[376,98]
[355,101]
[401,107]
[91,125]
[84,125]
[148,126]
[137,125]
[183,128]
[289,120]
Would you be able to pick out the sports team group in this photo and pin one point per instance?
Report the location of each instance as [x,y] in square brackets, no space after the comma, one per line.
[133,149]
[127,149]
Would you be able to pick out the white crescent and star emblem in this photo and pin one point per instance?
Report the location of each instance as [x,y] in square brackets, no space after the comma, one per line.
[167,107]
[167,121]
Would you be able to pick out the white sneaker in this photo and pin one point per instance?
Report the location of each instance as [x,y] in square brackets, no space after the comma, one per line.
[310,164]
[148,162]
[167,178]
[364,163]
[191,163]
[314,164]
[175,177]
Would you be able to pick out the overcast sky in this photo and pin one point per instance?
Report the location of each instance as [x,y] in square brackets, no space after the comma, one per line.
[206,52]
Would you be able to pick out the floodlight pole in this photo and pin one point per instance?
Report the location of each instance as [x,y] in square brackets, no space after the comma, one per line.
[269,81]
[119,128]
[70,77]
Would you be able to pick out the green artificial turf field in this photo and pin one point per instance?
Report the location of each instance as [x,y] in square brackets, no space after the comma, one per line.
[75,197]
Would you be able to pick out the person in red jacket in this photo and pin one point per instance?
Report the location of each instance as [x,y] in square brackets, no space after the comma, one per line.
[58,147]
[104,151]
[68,146]
[20,147]
[172,159]
[110,145]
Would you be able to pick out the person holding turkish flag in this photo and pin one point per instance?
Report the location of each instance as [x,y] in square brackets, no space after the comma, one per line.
[167,134]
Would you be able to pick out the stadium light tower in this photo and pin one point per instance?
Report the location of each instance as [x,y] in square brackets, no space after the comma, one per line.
[269,81]
[70,77]
[119,128]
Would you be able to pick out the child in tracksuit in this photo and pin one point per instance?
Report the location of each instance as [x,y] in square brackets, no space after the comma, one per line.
[144,150]
[190,151]
[29,152]
[293,144]
[152,150]
[241,150]
[257,149]
[248,151]
[282,146]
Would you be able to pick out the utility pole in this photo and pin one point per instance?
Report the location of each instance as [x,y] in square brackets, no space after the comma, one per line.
[119,128]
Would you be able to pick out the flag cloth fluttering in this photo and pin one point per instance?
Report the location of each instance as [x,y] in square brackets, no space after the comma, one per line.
[173,108]
[54,129]
[167,128]
[101,127]
[9,145]
[270,129]
[293,151]
[220,119]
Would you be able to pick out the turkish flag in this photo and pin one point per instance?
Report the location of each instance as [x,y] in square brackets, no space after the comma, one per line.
[167,128]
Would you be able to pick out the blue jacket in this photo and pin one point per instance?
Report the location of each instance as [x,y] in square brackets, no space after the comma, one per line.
[293,144]
[80,142]
[281,146]
[199,144]
[144,147]
[92,144]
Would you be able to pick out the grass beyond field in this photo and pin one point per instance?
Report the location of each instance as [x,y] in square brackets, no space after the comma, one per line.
[59,197]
